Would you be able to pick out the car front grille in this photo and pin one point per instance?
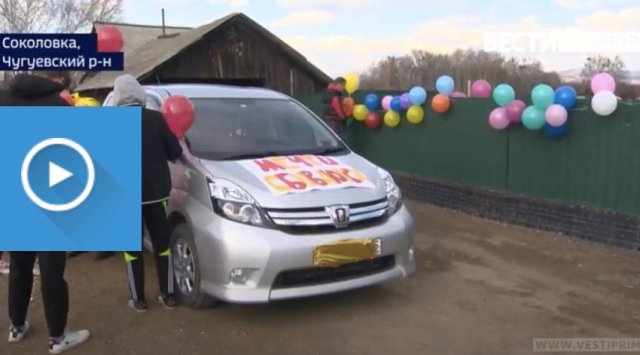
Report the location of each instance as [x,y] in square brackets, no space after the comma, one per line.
[323,275]
[318,219]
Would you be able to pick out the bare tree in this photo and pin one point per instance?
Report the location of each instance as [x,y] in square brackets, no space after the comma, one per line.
[602,64]
[423,68]
[50,16]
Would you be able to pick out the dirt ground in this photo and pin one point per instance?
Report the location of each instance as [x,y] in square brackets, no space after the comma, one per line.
[480,288]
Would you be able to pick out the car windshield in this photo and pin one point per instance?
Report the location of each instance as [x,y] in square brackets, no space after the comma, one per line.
[244,128]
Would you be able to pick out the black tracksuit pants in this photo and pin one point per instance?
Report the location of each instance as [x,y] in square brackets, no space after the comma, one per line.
[55,293]
[154,217]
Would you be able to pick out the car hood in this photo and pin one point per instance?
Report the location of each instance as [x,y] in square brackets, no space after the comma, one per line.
[235,171]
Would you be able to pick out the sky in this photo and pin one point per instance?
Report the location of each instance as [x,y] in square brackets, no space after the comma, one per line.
[343,36]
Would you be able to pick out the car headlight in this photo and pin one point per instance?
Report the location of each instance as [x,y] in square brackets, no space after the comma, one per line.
[394,196]
[233,202]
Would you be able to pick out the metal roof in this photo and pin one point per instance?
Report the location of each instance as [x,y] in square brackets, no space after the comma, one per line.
[149,56]
[137,35]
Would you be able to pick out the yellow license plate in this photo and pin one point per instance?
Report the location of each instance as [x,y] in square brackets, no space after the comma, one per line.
[346,251]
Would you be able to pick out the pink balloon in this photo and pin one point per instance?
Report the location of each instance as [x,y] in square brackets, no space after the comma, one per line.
[457,94]
[498,118]
[386,102]
[603,82]
[480,88]
[514,110]
[556,115]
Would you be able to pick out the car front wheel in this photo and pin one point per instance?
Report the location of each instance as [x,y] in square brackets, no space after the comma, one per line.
[186,269]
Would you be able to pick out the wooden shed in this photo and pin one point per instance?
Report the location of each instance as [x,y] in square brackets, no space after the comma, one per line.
[233,48]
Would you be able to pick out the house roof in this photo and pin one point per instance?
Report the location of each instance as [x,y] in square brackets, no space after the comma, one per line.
[150,55]
[137,35]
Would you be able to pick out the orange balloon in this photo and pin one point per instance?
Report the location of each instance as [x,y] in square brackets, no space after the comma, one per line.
[440,103]
[348,103]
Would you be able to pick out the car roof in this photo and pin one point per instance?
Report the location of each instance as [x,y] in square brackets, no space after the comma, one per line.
[215,91]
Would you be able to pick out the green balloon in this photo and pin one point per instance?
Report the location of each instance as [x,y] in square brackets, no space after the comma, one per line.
[533,118]
[503,94]
[542,96]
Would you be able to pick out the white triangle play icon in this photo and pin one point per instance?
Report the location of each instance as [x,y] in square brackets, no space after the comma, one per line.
[57,174]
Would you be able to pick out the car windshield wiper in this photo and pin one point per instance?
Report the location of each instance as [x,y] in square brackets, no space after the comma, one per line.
[331,150]
[251,156]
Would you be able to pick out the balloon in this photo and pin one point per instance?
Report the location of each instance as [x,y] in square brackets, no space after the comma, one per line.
[457,94]
[391,118]
[514,110]
[347,106]
[556,132]
[533,118]
[556,115]
[109,39]
[386,102]
[604,103]
[372,103]
[395,104]
[498,118]
[360,112]
[417,95]
[445,85]
[480,88]
[542,96]
[415,114]
[373,120]
[603,82]
[179,112]
[503,94]
[566,96]
[440,103]
[405,101]
[352,84]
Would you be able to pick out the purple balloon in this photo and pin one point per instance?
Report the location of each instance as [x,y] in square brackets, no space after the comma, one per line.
[514,110]
[457,94]
[498,118]
[556,115]
[405,101]
[386,102]
[480,88]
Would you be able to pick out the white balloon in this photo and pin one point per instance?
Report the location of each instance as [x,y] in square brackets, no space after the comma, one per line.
[604,103]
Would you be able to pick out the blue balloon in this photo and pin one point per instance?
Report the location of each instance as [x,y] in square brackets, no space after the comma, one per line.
[556,132]
[566,96]
[395,104]
[418,95]
[371,102]
[445,85]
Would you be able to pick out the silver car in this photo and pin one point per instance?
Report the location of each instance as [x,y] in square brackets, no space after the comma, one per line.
[269,204]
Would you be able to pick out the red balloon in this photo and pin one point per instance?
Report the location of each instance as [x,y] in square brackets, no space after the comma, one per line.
[373,120]
[110,39]
[179,112]
[348,104]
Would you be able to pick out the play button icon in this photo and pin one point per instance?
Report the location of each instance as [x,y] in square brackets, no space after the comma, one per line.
[58,174]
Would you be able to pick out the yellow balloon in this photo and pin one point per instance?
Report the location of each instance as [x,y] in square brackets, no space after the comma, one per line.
[86,101]
[391,119]
[360,112]
[415,114]
[352,83]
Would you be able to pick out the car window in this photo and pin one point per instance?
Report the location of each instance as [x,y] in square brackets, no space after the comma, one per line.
[240,128]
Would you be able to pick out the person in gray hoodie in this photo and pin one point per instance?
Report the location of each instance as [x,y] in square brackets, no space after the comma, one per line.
[159,145]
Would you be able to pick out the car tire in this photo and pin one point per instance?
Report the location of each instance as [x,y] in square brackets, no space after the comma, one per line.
[186,268]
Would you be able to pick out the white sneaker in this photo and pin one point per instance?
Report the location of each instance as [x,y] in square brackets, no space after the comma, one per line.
[17,334]
[69,341]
